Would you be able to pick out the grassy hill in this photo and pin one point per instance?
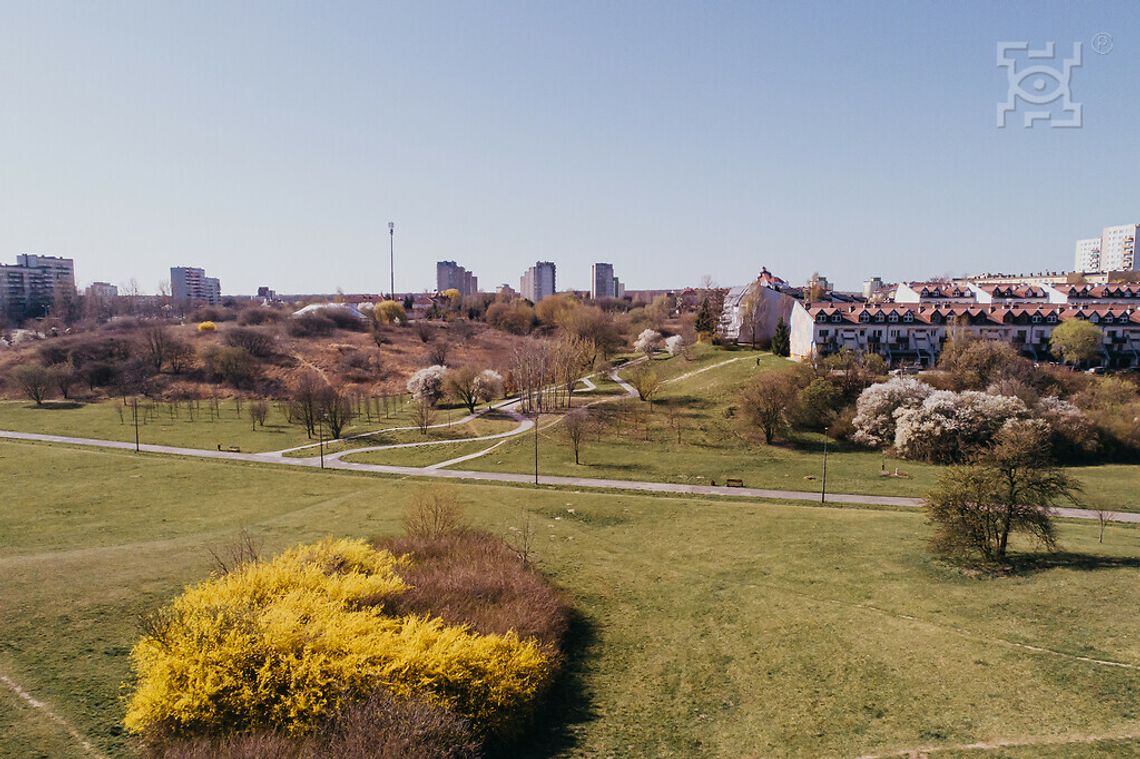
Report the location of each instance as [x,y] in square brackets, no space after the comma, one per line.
[708,628]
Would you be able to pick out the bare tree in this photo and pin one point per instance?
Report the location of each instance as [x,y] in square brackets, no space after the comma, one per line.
[244,549]
[258,413]
[156,342]
[304,399]
[646,382]
[423,414]
[521,538]
[335,408]
[64,377]
[1103,517]
[435,510]
[34,381]
[767,400]
[577,425]
[437,355]
[462,385]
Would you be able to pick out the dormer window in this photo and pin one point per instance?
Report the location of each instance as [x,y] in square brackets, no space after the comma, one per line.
[908,317]
[879,317]
[1052,319]
[836,317]
[893,317]
[864,317]
[1108,319]
[1036,319]
[822,317]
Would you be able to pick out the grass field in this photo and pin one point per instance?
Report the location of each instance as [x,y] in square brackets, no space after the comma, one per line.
[699,444]
[709,628]
[492,423]
[426,455]
[228,428]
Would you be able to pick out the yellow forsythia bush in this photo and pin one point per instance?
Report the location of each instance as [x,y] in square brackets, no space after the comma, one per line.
[207,327]
[283,644]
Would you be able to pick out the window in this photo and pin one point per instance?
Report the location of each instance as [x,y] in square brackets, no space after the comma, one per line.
[1052,319]
[821,317]
[864,317]
[1108,319]
[908,317]
[1036,319]
[893,317]
[836,318]
[879,317]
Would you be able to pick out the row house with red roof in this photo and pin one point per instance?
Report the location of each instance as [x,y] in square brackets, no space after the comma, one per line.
[915,333]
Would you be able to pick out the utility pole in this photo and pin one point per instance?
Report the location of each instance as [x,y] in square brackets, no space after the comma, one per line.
[321,437]
[135,414]
[392,257]
[823,492]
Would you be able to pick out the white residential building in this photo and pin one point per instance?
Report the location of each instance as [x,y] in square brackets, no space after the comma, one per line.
[1088,255]
[538,282]
[1118,248]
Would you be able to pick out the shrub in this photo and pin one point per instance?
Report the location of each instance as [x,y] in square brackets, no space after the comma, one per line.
[875,409]
[389,311]
[207,326]
[286,644]
[255,315]
[489,385]
[950,426]
[516,318]
[310,325]
[647,342]
[233,366]
[674,344]
[257,342]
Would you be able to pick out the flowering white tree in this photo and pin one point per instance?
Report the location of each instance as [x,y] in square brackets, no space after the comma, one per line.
[674,344]
[876,407]
[949,426]
[488,385]
[426,385]
[1071,432]
[647,342]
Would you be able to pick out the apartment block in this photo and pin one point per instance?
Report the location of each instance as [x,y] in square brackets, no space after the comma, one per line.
[28,288]
[191,286]
[603,283]
[102,290]
[451,276]
[1088,255]
[1118,248]
[538,282]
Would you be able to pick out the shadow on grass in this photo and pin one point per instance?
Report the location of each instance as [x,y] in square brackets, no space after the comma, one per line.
[565,707]
[59,405]
[1030,563]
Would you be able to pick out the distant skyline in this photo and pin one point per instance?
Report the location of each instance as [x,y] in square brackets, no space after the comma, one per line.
[272,142]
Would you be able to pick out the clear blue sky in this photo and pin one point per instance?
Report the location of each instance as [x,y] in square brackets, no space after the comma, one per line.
[271,142]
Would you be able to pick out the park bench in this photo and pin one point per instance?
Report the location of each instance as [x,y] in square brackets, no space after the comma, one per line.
[230,448]
[734,483]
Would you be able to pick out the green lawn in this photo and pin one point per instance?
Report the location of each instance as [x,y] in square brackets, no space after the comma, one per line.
[424,455]
[157,426]
[492,423]
[709,628]
[700,443]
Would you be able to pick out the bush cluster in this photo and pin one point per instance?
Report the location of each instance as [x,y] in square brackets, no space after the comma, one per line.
[286,645]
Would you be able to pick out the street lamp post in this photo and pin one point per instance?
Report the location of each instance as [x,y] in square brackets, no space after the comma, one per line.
[536,415]
[392,257]
[135,415]
[823,491]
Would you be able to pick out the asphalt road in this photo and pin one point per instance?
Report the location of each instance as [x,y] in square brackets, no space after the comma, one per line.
[511,477]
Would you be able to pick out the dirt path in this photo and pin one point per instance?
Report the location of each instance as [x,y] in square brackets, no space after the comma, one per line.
[43,710]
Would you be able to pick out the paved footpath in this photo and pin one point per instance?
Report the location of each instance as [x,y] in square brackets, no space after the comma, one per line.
[511,477]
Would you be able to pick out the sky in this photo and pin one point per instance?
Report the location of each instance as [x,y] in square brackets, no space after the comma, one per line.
[272,142]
